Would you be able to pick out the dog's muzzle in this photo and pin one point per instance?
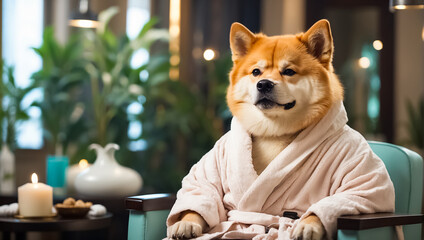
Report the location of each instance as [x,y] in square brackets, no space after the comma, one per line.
[265,96]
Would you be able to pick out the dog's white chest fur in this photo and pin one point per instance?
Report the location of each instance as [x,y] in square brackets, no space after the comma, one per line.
[265,149]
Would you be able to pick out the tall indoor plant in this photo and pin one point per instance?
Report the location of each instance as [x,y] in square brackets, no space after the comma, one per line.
[61,78]
[113,82]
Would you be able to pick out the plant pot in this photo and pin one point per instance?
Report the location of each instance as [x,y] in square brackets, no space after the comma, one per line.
[106,178]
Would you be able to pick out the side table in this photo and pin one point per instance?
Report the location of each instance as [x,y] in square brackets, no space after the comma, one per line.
[20,226]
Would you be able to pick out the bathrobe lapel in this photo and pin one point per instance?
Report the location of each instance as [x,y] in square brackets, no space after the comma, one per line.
[278,174]
[242,173]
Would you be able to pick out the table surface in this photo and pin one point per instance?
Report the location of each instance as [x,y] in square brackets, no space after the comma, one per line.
[12,224]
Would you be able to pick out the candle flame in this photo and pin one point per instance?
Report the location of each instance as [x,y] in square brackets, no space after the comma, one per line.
[83,163]
[34,178]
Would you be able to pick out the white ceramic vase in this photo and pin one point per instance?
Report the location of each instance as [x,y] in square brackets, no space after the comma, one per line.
[106,178]
[7,171]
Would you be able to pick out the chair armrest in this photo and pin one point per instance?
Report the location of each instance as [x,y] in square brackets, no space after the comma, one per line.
[377,220]
[150,202]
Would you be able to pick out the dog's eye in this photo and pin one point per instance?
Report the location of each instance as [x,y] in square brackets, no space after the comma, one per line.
[256,72]
[288,72]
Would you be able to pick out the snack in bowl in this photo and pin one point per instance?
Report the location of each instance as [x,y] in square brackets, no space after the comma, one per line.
[73,209]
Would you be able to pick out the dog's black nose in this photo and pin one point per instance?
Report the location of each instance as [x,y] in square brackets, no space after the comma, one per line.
[264,86]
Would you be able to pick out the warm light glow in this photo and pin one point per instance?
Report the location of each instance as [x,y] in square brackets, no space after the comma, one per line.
[378,45]
[83,23]
[174,10]
[174,73]
[399,7]
[422,34]
[174,33]
[410,6]
[174,60]
[83,163]
[208,54]
[34,178]
[364,62]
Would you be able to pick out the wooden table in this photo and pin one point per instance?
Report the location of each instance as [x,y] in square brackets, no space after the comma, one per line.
[114,205]
[20,226]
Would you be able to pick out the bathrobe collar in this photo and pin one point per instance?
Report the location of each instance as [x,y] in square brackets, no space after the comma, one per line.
[253,197]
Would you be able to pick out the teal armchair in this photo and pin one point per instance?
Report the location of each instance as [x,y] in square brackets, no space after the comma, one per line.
[148,213]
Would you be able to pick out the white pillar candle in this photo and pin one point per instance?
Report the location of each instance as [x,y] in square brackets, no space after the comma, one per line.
[35,199]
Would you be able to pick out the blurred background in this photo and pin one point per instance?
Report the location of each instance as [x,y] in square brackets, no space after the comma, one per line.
[151,76]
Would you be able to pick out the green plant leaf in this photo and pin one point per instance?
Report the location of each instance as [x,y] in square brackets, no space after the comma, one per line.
[104,18]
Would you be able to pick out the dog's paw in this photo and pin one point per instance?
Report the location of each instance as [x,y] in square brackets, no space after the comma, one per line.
[184,230]
[309,228]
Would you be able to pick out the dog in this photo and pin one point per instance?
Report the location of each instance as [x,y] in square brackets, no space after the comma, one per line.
[279,85]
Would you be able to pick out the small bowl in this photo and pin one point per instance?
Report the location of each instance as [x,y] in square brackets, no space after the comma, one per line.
[72,212]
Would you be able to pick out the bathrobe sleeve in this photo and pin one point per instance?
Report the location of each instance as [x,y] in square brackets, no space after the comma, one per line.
[361,185]
[201,190]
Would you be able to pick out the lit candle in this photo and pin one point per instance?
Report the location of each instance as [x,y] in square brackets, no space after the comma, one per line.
[73,172]
[35,199]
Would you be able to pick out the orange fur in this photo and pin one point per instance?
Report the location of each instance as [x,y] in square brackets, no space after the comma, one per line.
[194,217]
[296,50]
[312,219]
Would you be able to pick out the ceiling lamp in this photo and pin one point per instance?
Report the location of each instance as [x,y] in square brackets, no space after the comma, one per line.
[83,18]
[406,4]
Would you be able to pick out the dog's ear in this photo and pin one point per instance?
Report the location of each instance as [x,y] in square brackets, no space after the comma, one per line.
[319,41]
[241,40]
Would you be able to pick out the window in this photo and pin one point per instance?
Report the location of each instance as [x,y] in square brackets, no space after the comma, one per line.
[138,14]
[22,27]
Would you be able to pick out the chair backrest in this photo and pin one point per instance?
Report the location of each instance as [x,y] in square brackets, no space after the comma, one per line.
[405,168]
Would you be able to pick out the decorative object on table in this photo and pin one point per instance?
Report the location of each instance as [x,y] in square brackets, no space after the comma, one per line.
[72,172]
[106,177]
[7,170]
[56,174]
[68,209]
[97,210]
[35,199]
[73,209]
[9,210]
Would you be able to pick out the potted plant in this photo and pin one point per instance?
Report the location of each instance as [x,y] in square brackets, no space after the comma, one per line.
[11,113]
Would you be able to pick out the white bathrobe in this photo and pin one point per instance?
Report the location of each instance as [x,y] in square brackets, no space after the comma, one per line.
[328,170]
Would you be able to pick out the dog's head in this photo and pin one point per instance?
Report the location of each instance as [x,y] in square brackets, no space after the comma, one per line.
[281,84]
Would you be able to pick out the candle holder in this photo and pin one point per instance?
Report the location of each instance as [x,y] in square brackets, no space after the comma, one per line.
[56,174]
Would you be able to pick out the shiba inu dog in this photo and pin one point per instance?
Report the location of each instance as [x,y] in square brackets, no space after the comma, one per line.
[279,85]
